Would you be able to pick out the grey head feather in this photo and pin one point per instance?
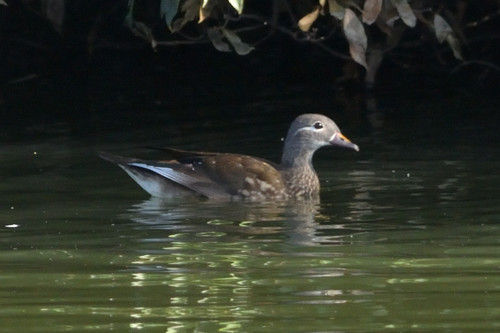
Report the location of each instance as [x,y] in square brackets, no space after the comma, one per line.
[307,133]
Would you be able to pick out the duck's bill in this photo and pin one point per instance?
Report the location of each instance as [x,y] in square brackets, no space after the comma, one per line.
[340,140]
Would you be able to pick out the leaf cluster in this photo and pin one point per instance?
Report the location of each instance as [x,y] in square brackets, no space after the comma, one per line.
[355,18]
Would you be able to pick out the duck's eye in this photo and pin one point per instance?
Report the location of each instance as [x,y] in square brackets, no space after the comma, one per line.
[317,125]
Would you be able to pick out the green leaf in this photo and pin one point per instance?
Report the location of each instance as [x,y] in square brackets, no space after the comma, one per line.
[371,9]
[356,36]
[190,10]
[168,10]
[335,9]
[442,28]
[55,11]
[129,18]
[215,36]
[445,32]
[237,4]
[405,12]
[240,47]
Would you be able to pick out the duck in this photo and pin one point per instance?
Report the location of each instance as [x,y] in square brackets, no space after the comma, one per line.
[228,176]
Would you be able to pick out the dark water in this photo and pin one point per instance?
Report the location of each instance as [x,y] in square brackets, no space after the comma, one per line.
[406,236]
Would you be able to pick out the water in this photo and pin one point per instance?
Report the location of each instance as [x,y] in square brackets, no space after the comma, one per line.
[406,236]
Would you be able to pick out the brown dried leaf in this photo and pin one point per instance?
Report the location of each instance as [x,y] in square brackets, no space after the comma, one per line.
[206,9]
[371,9]
[202,15]
[405,12]
[306,22]
[356,36]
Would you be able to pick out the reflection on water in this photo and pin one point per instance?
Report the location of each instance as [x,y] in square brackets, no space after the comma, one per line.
[405,238]
[295,219]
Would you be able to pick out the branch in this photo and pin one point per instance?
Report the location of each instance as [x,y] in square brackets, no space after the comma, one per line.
[293,34]
[483,20]
[182,42]
[475,62]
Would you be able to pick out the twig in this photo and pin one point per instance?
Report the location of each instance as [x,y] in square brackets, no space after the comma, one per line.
[23,79]
[253,27]
[331,51]
[475,62]
[182,42]
[483,20]
[292,34]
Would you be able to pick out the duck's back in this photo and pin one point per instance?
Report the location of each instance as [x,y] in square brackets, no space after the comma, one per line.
[239,175]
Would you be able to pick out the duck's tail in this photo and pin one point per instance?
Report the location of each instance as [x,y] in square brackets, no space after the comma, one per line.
[120,160]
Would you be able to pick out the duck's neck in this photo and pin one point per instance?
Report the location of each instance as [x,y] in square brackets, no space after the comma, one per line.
[296,156]
[299,174]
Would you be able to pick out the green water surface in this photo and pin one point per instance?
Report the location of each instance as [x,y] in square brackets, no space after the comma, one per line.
[406,237]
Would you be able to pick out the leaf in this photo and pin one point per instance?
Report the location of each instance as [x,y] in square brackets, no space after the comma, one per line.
[202,15]
[215,36]
[405,12]
[445,32]
[142,30]
[54,12]
[335,9]
[205,10]
[240,47]
[168,9]
[306,22]
[191,9]
[129,18]
[237,4]
[387,15]
[356,36]
[455,46]
[375,58]
[442,28]
[371,9]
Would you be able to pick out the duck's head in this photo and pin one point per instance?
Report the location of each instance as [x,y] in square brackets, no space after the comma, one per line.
[312,131]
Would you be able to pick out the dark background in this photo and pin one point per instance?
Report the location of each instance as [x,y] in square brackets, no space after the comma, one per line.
[54,82]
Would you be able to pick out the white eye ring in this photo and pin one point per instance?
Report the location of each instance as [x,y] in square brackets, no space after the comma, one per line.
[318,125]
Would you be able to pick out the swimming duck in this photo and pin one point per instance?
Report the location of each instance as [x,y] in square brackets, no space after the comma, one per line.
[224,176]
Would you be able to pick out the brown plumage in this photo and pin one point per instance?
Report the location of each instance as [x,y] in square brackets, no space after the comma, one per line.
[224,176]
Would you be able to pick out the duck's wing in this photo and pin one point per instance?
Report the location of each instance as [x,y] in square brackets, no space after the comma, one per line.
[215,175]
[188,155]
[240,175]
[150,174]
[179,153]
